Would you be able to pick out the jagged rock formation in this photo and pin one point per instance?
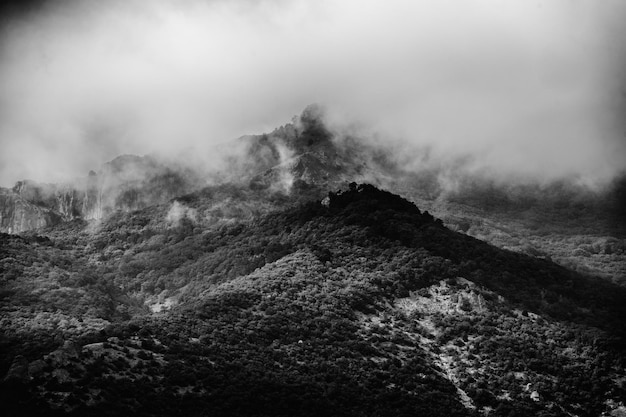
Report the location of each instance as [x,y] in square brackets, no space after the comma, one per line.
[301,154]
[127,183]
[306,152]
[18,214]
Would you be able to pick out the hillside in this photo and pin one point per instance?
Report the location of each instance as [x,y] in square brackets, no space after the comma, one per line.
[576,226]
[358,304]
[269,208]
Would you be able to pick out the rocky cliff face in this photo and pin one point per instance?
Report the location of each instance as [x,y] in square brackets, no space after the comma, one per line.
[18,215]
[127,183]
[63,199]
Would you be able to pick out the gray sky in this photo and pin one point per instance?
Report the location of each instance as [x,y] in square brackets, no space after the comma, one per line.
[532,88]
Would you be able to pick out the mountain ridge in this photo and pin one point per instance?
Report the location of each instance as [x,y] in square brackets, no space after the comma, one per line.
[358,304]
[579,227]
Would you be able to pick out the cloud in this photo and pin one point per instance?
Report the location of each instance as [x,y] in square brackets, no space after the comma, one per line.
[525,87]
[178,212]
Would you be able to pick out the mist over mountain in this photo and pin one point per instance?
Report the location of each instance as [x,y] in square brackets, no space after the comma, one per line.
[526,89]
[306,158]
[126,183]
[443,234]
[279,286]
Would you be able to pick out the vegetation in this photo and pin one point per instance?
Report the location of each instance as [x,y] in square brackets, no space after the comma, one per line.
[364,305]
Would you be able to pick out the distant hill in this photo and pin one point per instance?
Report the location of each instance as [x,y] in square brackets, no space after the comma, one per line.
[358,303]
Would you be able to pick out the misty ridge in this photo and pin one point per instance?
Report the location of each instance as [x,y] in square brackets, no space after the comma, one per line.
[309,150]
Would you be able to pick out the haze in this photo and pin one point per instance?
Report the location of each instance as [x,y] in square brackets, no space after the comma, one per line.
[526,88]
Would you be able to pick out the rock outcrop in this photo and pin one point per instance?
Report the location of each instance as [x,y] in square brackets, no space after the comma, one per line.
[127,183]
[306,151]
[297,156]
[18,215]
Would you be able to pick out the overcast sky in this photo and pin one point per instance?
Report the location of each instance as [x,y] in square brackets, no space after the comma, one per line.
[526,87]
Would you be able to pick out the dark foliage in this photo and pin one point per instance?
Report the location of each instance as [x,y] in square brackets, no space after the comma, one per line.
[296,312]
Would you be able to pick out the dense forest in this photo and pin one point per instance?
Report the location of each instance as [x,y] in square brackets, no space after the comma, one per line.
[356,304]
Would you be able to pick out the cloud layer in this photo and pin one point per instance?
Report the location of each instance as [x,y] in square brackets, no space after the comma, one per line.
[524,87]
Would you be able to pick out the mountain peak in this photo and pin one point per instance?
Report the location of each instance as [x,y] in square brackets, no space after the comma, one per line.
[312,126]
[306,132]
[306,151]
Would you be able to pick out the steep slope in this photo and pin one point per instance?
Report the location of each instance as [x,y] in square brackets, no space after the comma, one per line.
[579,227]
[18,214]
[575,226]
[124,184]
[307,152]
[360,304]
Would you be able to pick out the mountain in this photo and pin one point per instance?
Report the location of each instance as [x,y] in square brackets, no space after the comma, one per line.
[357,304]
[283,287]
[306,153]
[576,226]
[300,156]
[126,183]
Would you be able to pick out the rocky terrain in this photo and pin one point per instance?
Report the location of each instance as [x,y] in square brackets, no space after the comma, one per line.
[124,184]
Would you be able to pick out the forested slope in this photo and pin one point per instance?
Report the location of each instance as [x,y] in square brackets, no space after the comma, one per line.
[360,304]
